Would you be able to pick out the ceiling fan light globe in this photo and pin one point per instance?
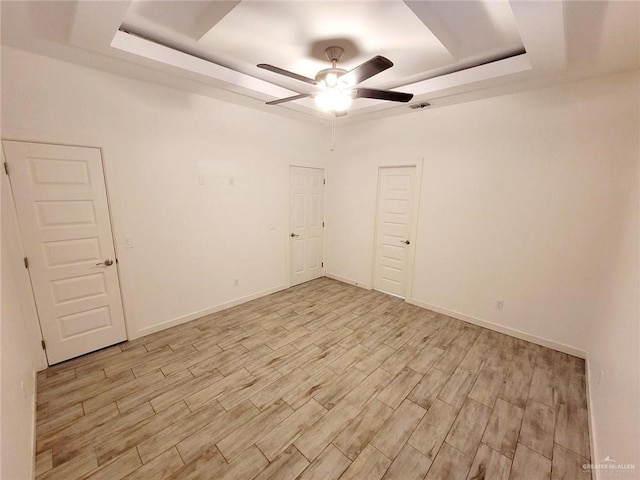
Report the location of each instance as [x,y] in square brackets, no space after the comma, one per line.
[333,100]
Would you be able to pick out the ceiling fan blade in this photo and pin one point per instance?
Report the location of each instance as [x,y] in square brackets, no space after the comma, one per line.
[289,99]
[287,73]
[366,70]
[383,95]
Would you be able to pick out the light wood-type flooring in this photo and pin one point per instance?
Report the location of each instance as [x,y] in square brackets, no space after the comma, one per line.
[320,381]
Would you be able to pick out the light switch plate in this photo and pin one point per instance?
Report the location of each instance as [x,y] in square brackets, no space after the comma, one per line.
[129,241]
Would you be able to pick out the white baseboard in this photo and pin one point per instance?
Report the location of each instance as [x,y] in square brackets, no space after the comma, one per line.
[514,332]
[34,412]
[348,280]
[192,316]
[592,434]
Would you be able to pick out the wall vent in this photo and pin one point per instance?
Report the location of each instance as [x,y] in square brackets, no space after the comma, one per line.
[419,106]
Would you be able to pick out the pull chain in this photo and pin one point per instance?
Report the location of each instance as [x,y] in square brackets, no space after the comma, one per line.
[333,133]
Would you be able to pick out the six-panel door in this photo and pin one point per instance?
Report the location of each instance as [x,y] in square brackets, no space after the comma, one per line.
[306,201]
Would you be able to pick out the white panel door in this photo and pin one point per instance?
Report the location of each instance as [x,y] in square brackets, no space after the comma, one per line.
[394,226]
[64,218]
[306,201]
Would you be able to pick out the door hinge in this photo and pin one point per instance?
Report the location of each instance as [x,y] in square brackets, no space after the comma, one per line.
[6,168]
[44,345]
[324,181]
[322,264]
[322,224]
[26,262]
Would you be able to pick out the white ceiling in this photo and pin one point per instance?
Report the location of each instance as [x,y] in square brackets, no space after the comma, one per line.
[443,51]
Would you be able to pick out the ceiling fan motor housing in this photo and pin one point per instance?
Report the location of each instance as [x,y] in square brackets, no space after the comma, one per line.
[334,54]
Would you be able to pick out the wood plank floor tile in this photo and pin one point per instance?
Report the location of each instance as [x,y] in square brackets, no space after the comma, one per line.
[329,465]
[123,390]
[205,439]
[428,388]
[567,465]
[517,382]
[306,390]
[399,360]
[131,435]
[279,388]
[184,390]
[77,428]
[321,380]
[238,393]
[77,467]
[160,468]
[430,433]
[376,358]
[248,465]
[286,466]
[425,359]
[398,428]
[572,430]
[488,385]
[288,431]
[409,464]
[66,384]
[449,464]
[503,428]
[316,438]
[370,464]
[153,390]
[468,428]
[153,445]
[117,468]
[61,419]
[159,361]
[451,358]
[353,355]
[457,388]
[542,387]
[233,445]
[361,430]
[490,465]
[237,380]
[538,427]
[529,465]
[203,362]
[67,446]
[339,387]
[88,391]
[44,462]
[394,393]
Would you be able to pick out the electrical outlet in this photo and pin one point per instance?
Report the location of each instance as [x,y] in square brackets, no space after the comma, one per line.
[236,282]
[499,304]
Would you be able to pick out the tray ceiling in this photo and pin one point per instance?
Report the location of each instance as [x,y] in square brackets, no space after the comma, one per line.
[441,50]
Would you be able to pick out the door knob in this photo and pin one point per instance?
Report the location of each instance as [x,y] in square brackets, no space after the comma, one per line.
[107,263]
[405,241]
[294,235]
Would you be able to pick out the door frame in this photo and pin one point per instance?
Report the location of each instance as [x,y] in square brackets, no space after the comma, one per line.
[408,287]
[324,209]
[26,292]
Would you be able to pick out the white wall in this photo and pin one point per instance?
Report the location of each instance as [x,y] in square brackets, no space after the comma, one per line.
[159,144]
[17,398]
[528,198]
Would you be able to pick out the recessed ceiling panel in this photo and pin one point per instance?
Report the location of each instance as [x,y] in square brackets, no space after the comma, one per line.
[288,34]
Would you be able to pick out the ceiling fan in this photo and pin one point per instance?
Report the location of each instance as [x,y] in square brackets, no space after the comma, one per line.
[337,87]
